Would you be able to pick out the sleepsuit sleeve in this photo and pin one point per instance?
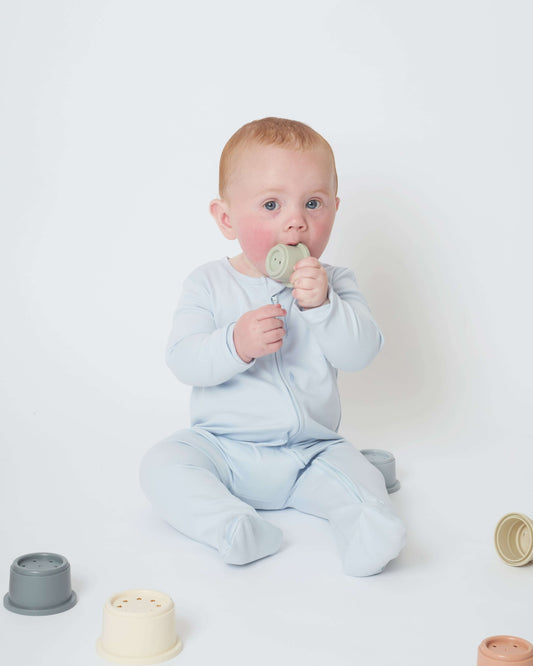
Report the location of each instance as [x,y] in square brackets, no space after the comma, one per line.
[345,329]
[198,352]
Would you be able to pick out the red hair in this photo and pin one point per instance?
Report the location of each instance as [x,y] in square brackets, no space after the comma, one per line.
[271,132]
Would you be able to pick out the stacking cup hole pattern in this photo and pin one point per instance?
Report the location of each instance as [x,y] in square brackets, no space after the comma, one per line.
[140,604]
[40,562]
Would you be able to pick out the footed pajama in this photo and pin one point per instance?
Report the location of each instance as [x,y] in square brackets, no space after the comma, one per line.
[208,488]
[264,434]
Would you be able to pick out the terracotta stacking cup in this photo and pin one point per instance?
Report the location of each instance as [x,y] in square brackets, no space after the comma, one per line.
[505,650]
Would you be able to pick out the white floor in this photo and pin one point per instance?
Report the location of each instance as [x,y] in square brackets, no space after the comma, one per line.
[435,604]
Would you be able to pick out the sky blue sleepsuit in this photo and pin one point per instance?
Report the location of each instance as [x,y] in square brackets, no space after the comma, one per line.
[264,434]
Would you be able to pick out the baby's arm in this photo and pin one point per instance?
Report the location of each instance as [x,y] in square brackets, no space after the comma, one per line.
[201,354]
[344,327]
[198,352]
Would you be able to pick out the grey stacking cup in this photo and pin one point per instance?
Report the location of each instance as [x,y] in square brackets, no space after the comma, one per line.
[39,584]
[386,463]
[281,260]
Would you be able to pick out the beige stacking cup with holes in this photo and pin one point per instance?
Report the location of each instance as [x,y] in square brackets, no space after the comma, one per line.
[139,627]
[513,539]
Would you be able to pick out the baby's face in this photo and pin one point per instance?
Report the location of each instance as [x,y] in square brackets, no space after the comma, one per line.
[277,195]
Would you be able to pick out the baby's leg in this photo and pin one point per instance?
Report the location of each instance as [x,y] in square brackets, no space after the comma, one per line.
[185,478]
[342,486]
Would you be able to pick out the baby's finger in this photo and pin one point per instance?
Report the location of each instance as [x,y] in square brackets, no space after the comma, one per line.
[301,296]
[268,311]
[310,270]
[274,336]
[314,274]
[305,284]
[271,324]
[303,273]
[308,262]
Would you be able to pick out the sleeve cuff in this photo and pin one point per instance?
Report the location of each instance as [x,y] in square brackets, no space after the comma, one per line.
[320,314]
[230,344]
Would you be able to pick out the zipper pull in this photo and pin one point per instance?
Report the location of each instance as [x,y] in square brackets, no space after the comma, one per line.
[274,299]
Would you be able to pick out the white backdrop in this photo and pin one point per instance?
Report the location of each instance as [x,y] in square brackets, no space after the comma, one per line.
[112,118]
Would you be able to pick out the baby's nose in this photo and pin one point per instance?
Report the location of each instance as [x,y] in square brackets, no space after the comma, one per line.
[296,221]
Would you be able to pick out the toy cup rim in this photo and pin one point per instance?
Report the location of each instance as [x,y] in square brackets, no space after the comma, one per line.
[517,517]
[51,610]
[19,570]
[486,656]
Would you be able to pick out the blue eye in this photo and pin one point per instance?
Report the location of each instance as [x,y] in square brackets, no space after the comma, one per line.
[271,205]
[313,204]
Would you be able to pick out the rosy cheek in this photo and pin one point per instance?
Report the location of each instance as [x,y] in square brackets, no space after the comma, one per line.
[256,242]
[318,243]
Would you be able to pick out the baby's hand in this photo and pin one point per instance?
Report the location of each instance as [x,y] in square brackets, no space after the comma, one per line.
[259,332]
[310,282]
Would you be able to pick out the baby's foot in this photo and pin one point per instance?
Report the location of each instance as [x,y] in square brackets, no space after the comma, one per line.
[247,538]
[378,538]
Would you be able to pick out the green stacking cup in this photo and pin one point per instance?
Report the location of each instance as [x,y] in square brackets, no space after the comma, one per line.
[281,260]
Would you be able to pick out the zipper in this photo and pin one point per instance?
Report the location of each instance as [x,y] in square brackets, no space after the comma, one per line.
[277,356]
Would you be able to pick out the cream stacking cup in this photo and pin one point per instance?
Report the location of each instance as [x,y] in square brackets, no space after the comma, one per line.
[513,539]
[139,627]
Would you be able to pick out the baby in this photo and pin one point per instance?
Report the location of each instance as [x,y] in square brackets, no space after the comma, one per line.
[262,359]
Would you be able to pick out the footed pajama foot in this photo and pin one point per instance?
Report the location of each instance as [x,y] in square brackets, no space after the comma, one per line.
[378,538]
[248,538]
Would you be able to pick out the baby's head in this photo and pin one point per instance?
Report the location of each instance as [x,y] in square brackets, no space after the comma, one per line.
[278,184]
[288,134]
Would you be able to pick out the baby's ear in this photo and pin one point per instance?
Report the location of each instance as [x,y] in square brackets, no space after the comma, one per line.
[218,210]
